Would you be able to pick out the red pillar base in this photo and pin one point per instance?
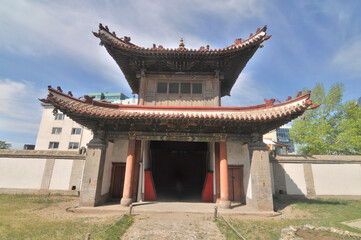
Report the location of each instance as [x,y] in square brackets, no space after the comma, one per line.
[224,204]
[126,201]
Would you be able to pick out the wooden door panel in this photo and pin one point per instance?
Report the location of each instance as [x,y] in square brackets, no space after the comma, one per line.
[117,180]
[235,183]
[230,184]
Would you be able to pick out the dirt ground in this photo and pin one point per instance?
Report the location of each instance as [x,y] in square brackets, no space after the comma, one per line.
[173,226]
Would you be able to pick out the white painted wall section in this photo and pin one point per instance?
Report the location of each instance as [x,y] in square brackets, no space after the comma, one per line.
[337,179]
[60,178]
[22,173]
[107,173]
[116,152]
[295,179]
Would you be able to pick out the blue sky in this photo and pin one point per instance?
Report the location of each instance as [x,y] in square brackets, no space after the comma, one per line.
[50,43]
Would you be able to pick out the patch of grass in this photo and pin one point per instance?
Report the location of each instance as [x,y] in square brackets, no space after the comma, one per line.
[41,217]
[116,230]
[317,212]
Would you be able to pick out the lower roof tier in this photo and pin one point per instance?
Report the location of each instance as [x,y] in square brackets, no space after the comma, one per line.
[116,118]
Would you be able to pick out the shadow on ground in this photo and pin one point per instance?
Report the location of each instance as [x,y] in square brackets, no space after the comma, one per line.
[281,203]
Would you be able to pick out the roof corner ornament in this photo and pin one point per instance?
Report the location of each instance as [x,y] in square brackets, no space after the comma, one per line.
[270,102]
[238,41]
[289,98]
[181,44]
[126,39]
[70,93]
[299,94]
[59,89]
[50,96]
[88,99]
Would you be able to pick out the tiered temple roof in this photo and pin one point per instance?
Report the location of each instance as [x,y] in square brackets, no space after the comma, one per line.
[117,118]
[229,61]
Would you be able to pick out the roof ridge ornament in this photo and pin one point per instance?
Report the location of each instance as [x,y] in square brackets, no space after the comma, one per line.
[181,44]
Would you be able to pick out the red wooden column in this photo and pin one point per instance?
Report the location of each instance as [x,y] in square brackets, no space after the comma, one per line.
[217,171]
[136,170]
[129,170]
[224,202]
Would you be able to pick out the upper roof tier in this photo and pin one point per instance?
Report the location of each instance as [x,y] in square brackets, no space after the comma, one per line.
[230,60]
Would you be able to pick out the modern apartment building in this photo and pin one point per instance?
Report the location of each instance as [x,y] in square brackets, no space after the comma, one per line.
[59,132]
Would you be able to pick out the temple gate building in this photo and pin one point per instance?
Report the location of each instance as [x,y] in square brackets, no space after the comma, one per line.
[178,143]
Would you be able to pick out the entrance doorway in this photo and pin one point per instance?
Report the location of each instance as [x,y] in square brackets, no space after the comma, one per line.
[179,170]
[235,183]
[117,180]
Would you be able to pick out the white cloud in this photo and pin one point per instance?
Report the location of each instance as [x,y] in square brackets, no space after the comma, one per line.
[348,58]
[20,110]
[246,92]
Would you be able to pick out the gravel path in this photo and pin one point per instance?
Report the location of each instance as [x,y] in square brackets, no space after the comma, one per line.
[173,226]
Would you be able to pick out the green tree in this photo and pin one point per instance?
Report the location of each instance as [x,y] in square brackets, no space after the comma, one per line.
[332,128]
[349,138]
[4,145]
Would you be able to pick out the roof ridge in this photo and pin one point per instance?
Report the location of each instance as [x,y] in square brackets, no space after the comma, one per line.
[259,36]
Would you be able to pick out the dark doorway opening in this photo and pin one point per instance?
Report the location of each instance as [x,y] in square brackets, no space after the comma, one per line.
[179,170]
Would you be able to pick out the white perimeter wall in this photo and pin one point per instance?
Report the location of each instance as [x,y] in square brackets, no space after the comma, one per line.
[24,173]
[318,175]
[60,177]
[295,179]
[40,173]
[337,179]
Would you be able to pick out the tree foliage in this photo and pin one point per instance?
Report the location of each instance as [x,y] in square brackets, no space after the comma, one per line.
[332,128]
[4,145]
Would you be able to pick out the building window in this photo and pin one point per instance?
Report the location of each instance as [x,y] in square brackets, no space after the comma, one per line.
[162,87]
[197,88]
[75,130]
[56,130]
[59,116]
[185,88]
[53,145]
[73,145]
[173,87]
[176,87]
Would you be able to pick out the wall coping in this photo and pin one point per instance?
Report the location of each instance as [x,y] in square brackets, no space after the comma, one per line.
[317,159]
[47,154]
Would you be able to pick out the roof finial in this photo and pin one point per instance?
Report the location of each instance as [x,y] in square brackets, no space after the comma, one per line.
[181,44]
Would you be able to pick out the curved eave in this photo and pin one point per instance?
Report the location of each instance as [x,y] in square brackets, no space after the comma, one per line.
[263,117]
[110,38]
